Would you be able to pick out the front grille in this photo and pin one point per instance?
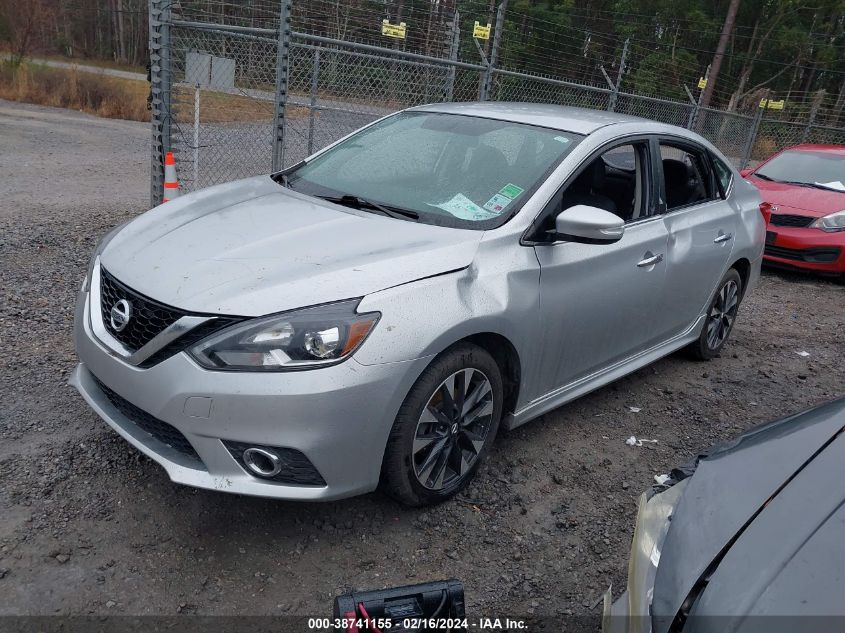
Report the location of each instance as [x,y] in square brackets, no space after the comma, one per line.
[809,255]
[790,220]
[160,431]
[297,469]
[148,318]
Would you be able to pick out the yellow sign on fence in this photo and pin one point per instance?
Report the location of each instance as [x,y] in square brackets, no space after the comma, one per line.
[480,32]
[393,30]
[772,105]
[702,83]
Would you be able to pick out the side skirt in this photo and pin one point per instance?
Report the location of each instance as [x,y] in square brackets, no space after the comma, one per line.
[598,379]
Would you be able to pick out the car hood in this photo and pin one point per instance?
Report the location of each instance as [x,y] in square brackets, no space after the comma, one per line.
[806,200]
[252,247]
[747,510]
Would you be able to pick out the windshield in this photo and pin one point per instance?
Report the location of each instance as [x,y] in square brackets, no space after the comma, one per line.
[811,168]
[445,169]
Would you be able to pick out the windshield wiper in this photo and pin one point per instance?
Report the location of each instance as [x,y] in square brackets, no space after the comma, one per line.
[765,177]
[813,185]
[357,202]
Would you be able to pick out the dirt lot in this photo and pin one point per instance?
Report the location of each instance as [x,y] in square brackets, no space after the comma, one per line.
[90,526]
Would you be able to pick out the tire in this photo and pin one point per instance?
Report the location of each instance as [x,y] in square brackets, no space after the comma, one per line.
[432,453]
[721,316]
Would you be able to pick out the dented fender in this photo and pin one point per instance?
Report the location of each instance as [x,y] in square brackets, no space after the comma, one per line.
[497,293]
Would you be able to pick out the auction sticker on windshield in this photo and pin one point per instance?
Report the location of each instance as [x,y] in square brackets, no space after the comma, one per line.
[506,195]
[462,207]
[511,191]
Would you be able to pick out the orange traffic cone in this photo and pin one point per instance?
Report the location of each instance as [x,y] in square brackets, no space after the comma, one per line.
[171,183]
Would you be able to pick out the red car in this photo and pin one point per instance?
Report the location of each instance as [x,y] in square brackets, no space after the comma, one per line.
[803,190]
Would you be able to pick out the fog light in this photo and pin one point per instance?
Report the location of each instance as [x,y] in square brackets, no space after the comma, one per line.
[262,462]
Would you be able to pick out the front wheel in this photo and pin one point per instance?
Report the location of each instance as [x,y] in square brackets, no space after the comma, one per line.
[721,315]
[444,428]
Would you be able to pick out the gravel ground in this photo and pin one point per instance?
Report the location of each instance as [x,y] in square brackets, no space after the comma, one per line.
[90,526]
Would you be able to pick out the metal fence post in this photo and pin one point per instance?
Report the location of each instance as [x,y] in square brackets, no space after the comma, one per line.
[454,47]
[487,84]
[315,82]
[814,111]
[195,184]
[611,104]
[752,133]
[282,59]
[161,70]
[693,116]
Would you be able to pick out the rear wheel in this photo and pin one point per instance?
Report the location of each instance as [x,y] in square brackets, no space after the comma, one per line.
[444,428]
[721,315]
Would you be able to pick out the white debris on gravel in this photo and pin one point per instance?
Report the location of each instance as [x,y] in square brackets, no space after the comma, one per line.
[635,409]
[803,353]
[661,479]
[633,441]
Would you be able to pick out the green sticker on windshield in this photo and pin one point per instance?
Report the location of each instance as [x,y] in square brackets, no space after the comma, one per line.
[511,191]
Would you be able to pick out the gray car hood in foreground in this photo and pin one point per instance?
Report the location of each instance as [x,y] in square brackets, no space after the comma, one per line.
[788,557]
[253,247]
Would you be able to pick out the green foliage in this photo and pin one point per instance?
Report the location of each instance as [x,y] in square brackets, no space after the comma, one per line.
[785,46]
[661,75]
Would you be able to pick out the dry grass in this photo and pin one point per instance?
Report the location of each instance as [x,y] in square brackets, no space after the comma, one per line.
[118,98]
[104,96]
[220,107]
[764,147]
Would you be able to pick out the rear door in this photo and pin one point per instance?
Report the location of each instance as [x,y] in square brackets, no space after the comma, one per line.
[700,222]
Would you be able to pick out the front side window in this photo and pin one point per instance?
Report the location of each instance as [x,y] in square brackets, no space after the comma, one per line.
[813,169]
[446,169]
[687,179]
[613,181]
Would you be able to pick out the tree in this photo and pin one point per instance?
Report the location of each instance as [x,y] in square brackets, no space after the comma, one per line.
[19,23]
[721,47]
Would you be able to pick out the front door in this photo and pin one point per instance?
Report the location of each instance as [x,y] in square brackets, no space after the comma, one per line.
[598,301]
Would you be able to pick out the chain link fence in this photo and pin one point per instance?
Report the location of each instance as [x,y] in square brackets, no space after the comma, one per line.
[222,105]
[244,89]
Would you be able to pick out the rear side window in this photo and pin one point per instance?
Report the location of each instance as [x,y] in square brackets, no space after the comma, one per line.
[687,177]
[723,173]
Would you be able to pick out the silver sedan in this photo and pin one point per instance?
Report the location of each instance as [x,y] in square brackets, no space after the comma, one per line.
[373,315]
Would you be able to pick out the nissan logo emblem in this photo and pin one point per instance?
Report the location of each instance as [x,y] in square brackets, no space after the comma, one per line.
[120,314]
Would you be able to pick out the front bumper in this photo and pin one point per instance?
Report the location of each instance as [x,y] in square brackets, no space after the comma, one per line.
[805,248]
[339,417]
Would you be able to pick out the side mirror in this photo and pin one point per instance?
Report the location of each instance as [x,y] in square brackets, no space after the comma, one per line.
[589,225]
[745,172]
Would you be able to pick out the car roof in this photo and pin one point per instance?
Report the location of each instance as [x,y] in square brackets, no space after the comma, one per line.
[564,118]
[810,147]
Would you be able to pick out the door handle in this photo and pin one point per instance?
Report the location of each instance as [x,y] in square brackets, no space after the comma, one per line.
[650,261]
[723,237]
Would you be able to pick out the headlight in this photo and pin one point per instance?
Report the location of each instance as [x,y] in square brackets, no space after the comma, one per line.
[302,339]
[831,223]
[649,534]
